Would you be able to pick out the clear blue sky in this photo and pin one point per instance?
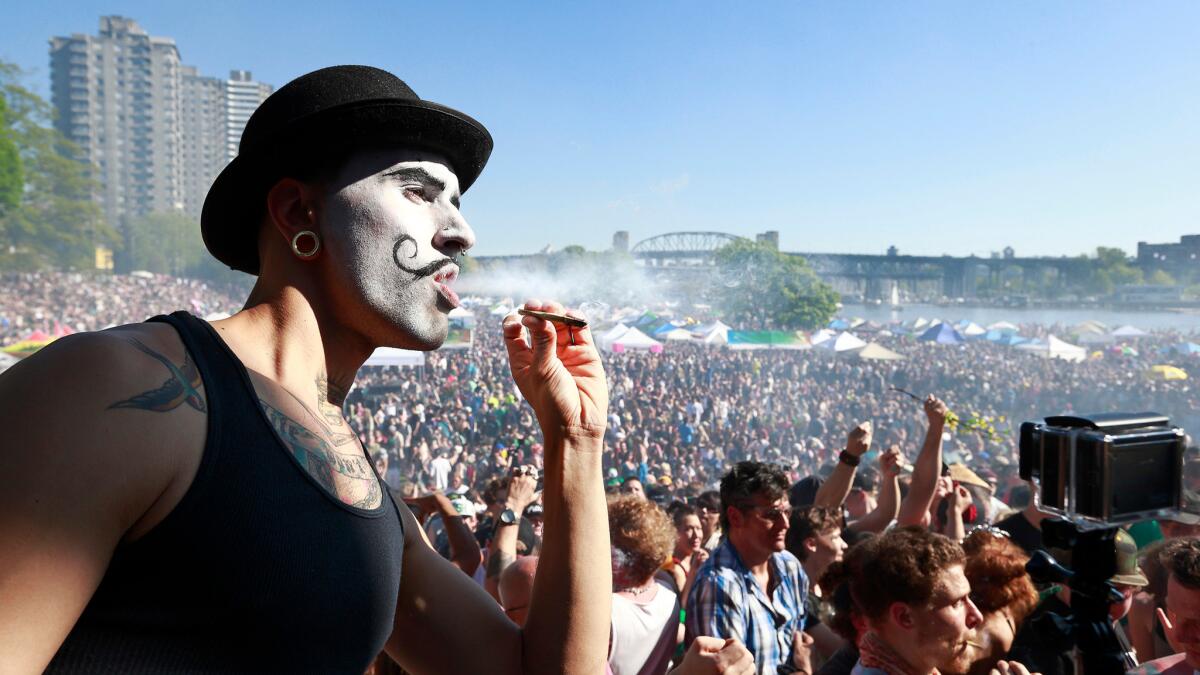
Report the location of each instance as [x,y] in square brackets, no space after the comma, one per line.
[953,127]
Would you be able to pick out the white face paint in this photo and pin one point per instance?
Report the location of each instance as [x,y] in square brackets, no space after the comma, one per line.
[391,226]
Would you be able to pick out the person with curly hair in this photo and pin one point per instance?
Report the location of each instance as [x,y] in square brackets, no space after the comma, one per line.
[915,599]
[645,607]
[1003,592]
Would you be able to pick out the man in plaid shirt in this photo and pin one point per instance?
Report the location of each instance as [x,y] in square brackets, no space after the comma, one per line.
[751,588]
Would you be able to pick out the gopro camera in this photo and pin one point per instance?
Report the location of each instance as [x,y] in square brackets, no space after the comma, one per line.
[1107,468]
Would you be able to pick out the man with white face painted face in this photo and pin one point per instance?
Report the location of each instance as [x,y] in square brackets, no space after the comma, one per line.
[217,513]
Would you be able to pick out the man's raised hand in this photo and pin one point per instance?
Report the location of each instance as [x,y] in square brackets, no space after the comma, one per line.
[935,409]
[859,440]
[560,374]
[891,462]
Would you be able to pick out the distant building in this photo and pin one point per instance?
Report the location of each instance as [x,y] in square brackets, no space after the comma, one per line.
[158,132]
[118,98]
[1177,259]
[215,112]
[771,238]
[620,241]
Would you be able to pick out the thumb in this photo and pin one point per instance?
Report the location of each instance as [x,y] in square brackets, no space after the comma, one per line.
[1166,623]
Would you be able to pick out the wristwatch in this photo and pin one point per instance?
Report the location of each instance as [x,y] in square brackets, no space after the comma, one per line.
[849,459]
[508,517]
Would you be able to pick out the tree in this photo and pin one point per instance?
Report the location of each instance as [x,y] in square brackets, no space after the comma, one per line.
[56,222]
[760,287]
[12,183]
[1160,278]
[1110,269]
[167,243]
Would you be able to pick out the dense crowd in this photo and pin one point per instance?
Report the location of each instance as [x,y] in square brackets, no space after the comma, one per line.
[50,302]
[778,510]
[679,418]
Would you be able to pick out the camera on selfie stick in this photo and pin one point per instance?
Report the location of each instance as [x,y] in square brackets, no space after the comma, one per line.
[1095,473]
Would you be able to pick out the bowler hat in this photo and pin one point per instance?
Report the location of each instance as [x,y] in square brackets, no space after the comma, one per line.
[336,109]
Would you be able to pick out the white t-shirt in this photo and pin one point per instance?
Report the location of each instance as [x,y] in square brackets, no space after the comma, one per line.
[441,473]
[644,631]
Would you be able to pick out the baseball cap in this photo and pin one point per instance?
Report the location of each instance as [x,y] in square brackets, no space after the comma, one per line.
[464,506]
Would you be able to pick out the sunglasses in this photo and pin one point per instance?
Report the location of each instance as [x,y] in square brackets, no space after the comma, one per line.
[771,512]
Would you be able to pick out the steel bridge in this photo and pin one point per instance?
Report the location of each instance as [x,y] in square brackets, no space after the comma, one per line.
[689,257]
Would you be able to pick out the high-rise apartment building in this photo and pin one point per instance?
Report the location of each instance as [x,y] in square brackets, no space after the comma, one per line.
[215,112]
[203,136]
[157,131]
[118,98]
[242,97]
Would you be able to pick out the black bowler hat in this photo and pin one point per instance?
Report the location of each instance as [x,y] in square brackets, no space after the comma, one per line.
[329,110]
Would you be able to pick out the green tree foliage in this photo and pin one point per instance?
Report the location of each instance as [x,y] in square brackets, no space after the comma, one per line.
[1160,278]
[758,287]
[12,181]
[167,243]
[1112,269]
[56,222]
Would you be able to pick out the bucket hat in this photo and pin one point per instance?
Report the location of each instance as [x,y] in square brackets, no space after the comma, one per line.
[340,108]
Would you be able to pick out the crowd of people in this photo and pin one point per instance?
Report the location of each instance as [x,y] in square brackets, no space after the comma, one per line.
[678,419]
[775,511]
[61,302]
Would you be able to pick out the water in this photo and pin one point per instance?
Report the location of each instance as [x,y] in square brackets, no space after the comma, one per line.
[1044,316]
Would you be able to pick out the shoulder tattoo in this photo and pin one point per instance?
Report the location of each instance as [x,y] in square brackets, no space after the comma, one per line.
[182,387]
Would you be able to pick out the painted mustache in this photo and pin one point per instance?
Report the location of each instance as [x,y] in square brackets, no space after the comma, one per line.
[423,271]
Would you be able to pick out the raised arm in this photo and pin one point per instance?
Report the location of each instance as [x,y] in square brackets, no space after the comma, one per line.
[834,490]
[567,626]
[503,550]
[927,467]
[464,549]
[889,494]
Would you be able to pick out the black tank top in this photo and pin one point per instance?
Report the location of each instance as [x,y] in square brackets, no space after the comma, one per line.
[257,569]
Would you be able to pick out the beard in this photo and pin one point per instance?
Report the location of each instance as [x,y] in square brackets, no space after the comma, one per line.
[954,654]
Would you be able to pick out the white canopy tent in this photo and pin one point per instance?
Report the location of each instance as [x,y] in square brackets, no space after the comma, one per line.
[973,329]
[677,335]
[877,352]
[1004,327]
[845,342]
[1129,332]
[635,340]
[704,330]
[605,339]
[391,356]
[1054,348]
[821,336]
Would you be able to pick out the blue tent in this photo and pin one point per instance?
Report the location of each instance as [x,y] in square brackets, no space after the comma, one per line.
[839,324]
[1187,348]
[1010,340]
[944,334]
[647,320]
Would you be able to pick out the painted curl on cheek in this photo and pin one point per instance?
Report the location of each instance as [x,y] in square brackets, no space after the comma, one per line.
[406,248]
